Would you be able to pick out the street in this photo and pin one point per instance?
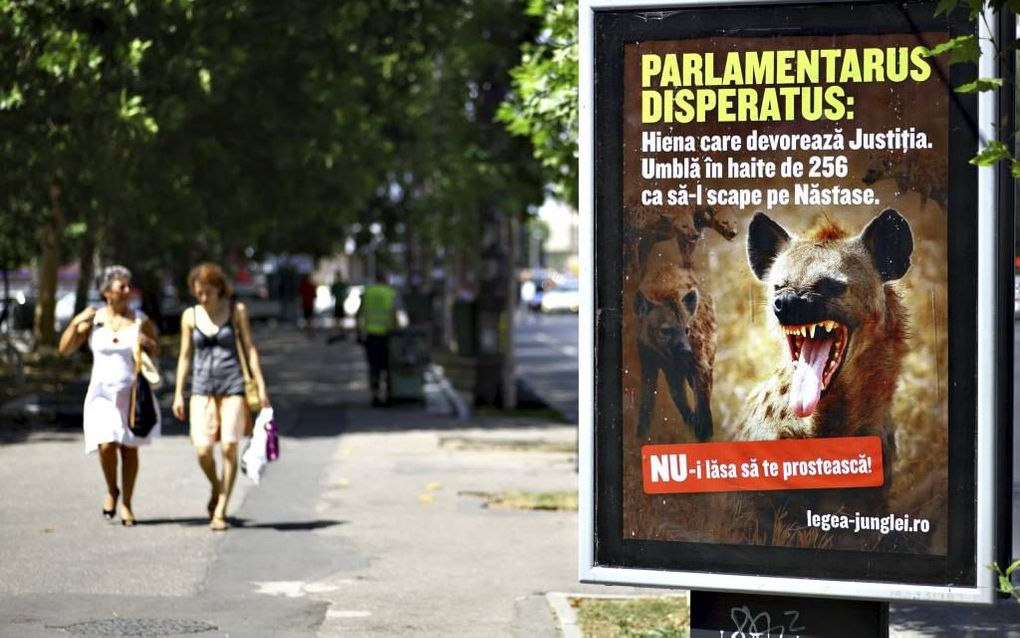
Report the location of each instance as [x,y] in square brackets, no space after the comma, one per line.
[371,523]
[546,351]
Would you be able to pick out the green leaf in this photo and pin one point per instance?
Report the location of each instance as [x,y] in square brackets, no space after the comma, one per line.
[945,6]
[1005,586]
[1015,169]
[980,85]
[205,81]
[1016,564]
[994,152]
[961,49]
[76,229]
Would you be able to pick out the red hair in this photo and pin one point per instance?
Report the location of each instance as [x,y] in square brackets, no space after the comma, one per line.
[209,274]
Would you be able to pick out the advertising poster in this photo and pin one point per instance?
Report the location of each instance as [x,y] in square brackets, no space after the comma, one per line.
[795,218]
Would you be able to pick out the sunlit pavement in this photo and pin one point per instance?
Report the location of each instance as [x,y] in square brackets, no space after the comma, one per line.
[371,523]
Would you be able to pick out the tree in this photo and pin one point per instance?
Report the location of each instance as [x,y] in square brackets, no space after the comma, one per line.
[69,76]
[543,105]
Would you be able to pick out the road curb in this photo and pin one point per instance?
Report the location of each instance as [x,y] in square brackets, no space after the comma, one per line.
[457,404]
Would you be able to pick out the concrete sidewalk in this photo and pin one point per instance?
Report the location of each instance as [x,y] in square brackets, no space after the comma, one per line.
[371,523]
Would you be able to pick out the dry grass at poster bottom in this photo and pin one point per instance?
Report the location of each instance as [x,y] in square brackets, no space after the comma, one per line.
[661,617]
[518,500]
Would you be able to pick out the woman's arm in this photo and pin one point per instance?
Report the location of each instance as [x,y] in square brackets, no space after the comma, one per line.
[149,337]
[253,354]
[77,331]
[183,362]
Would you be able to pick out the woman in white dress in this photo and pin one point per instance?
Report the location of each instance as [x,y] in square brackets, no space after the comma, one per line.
[113,332]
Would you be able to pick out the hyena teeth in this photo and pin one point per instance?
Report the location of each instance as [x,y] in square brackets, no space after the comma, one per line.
[829,325]
[813,326]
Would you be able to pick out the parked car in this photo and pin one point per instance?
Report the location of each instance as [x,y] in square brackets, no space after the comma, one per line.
[260,305]
[64,309]
[1016,297]
[565,297]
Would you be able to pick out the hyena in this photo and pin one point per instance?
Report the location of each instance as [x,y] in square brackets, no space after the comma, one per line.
[845,330]
[720,222]
[924,172]
[647,227]
[676,333]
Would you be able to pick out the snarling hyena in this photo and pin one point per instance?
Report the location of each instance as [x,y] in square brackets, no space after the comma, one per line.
[845,330]
[924,172]
[676,333]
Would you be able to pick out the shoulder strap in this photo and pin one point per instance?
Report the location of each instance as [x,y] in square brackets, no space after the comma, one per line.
[241,354]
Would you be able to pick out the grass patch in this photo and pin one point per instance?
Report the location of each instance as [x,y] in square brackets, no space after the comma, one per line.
[517,500]
[468,444]
[633,617]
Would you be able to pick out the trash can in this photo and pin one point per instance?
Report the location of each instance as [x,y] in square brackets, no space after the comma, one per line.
[22,315]
[408,356]
[465,327]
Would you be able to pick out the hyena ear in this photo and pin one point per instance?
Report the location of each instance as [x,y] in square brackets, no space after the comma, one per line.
[642,306]
[889,240]
[765,238]
[690,301]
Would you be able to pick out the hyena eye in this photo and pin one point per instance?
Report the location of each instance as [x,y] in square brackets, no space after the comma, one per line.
[829,287]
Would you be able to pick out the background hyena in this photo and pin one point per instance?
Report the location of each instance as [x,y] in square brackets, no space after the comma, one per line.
[676,334]
[924,172]
[845,328]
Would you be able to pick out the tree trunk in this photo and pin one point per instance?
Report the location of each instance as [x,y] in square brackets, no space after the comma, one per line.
[86,268]
[49,263]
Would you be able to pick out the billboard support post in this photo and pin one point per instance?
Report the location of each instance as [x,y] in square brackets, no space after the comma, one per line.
[715,614]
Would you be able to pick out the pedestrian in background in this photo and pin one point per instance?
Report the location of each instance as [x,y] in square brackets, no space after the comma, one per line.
[215,335]
[113,333]
[339,289]
[306,292]
[377,318]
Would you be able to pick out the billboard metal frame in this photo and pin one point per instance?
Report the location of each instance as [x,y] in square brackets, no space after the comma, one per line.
[992,383]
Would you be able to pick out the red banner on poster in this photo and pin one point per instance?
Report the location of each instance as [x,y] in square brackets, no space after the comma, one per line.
[824,463]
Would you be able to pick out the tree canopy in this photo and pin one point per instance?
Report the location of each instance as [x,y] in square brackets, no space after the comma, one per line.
[160,132]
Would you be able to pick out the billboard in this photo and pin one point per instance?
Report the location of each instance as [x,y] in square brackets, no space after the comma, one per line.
[792,305]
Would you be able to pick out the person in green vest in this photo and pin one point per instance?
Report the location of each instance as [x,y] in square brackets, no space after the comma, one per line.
[377,318]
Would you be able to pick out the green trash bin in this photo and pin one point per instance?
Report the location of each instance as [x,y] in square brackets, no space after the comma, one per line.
[408,357]
[465,327]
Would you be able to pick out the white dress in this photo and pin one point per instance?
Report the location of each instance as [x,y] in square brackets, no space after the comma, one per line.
[109,395]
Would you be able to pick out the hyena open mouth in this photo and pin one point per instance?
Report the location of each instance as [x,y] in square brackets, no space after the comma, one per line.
[818,350]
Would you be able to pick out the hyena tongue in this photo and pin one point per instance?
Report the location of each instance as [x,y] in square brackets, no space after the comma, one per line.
[806,386]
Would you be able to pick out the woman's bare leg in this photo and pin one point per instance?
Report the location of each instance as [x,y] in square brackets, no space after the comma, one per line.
[129,472]
[207,461]
[227,482]
[108,462]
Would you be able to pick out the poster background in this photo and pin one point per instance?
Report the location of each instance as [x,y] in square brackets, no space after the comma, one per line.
[749,347]
[618,545]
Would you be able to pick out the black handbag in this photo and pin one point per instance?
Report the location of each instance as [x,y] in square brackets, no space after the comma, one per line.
[142,416]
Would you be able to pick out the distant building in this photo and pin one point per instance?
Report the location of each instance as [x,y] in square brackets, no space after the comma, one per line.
[559,252]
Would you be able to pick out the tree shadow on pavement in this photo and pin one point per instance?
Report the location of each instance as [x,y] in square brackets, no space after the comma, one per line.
[1001,620]
[322,420]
